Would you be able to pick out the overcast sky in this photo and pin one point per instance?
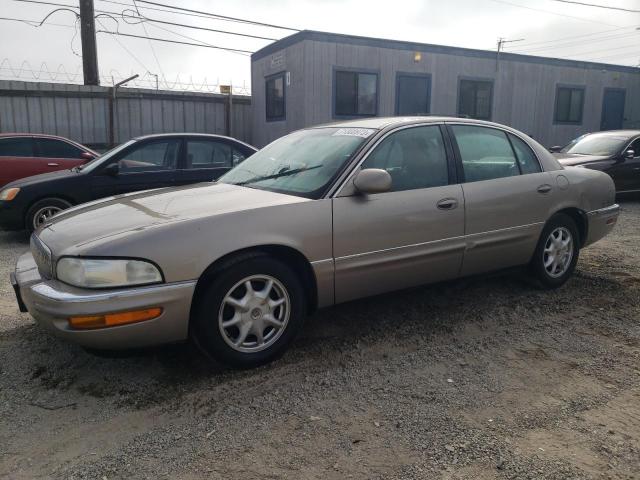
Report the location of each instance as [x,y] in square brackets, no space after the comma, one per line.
[593,34]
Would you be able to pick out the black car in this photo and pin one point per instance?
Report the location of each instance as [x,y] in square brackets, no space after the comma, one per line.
[616,152]
[143,163]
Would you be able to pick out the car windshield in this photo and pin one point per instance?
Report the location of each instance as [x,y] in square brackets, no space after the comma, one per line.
[302,163]
[596,144]
[96,162]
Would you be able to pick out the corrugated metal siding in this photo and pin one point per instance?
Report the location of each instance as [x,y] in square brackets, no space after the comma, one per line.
[523,95]
[82,113]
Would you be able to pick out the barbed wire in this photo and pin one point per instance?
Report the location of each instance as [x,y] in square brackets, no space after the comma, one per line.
[182,82]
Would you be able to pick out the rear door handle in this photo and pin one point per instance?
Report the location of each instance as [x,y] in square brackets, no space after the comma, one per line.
[544,188]
[53,164]
[447,204]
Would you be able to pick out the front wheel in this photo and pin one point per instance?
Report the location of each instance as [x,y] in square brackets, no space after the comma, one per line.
[557,252]
[250,312]
[43,210]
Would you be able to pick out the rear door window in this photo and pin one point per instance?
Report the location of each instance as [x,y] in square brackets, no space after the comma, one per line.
[52,148]
[208,154]
[526,158]
[485,153]
[16,147]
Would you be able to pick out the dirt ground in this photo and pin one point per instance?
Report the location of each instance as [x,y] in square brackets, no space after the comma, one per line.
[476,379]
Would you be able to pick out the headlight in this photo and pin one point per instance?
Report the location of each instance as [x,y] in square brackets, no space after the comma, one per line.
[9,194]
[98,273]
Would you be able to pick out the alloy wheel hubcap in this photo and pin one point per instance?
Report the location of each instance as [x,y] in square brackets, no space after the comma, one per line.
[558,252]
[44,214]
[254,313]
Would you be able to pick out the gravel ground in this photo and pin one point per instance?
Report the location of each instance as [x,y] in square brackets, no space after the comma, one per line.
[481,378]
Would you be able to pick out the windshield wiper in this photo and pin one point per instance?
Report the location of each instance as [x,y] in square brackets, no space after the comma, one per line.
[285,173]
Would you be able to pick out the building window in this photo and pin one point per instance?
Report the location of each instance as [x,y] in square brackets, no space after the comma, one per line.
[356,94]
[474,98]
[569,104]
[274,96]
[413,92]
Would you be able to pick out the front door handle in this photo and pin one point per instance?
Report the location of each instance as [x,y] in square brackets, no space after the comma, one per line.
[53,164]
[544,188]
[447,204]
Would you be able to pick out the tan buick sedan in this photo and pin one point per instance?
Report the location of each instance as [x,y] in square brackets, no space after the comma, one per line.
[321,216]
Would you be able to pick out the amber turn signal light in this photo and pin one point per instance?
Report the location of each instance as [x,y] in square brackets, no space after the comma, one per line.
[9,194]
[113,319]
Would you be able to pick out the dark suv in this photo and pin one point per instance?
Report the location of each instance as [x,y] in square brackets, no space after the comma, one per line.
[143,163]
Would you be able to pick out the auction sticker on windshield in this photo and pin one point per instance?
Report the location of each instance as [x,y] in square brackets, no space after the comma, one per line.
[353,132]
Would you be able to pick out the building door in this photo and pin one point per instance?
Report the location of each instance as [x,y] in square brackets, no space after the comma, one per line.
[612,109]
[413,94]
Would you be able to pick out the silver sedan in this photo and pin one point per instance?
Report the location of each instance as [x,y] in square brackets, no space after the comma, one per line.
[321,216]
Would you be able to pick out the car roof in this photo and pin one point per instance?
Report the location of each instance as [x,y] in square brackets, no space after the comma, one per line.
[37,135]
[187,134]
[385,122]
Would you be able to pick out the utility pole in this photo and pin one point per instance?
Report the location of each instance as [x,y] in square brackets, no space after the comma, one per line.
[228,108]
[501,42]
[89,46]
[113,108]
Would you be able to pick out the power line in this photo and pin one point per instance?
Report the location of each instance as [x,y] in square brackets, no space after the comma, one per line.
[114,2]
[613,50]
[221,17]
[157,39]
[141,17]
[614,57]
[573,36]
[202,42]
[122,45]
[34,23]
[195,27]
[577,43]
[554,13]
[584,4]
[146,34]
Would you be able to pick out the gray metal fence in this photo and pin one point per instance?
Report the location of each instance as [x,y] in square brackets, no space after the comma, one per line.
[82,113]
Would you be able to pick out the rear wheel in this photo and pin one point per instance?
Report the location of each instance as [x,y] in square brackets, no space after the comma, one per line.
[41,211]
[556,255]
[250,312]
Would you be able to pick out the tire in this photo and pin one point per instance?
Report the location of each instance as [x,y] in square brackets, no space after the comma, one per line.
[42,210]
[250,312]
[547,274]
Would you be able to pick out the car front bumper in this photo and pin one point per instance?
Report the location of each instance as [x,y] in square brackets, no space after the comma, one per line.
[601,222]
[11,215]
[51,303]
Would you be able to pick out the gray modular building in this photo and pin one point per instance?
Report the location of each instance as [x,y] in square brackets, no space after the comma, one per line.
[313,77]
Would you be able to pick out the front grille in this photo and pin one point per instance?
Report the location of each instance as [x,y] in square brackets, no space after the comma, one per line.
[42,256]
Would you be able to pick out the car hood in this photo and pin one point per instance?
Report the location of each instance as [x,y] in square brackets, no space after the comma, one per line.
[570,159]
[41,178]
[125,214]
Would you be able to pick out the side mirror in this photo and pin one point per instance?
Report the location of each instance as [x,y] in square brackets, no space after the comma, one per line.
[87,156]
[112,170]
[555,149]
[629,154]
[372,180]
